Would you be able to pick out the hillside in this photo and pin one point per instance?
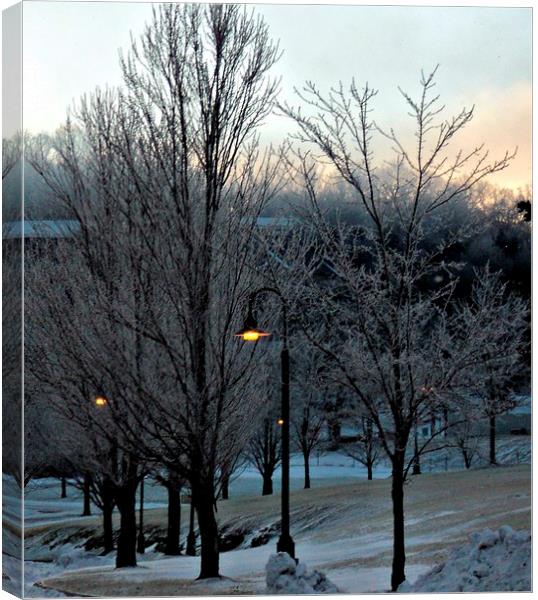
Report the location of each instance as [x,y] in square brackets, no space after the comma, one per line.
[344,530]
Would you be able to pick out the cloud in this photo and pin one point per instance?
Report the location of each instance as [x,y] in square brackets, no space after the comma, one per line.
[503,121]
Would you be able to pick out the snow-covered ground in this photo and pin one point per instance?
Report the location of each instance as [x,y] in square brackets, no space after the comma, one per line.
[342,526]
[42,503]
[492,561]
[326,469]
[244,569]
[343,530]
[286,576]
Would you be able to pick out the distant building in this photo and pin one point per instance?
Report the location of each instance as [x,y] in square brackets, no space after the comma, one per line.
[519,419]
[40,229]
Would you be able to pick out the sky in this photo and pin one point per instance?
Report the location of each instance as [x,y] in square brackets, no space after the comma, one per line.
[484,56]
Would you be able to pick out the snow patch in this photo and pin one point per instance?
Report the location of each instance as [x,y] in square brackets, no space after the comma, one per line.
[493,561]
[285,576]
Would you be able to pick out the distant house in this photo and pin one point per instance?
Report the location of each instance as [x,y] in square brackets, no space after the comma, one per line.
[37,235]
[426,428]
[517,420]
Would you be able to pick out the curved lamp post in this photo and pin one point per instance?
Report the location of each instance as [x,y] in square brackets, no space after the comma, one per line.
[252,333]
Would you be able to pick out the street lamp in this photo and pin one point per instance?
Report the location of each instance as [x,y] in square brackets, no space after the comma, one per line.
[100,401]
[252,333]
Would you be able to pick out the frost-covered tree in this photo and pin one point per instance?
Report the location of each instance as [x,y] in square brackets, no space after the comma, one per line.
[75,353]
[264,448]
[196,91]
[91,460]
[503,356]
[11,153]
[465,437]
[231,469]
[365,448]
[401,352]
[171,165]
[12,271]
[173,484]
[307,404]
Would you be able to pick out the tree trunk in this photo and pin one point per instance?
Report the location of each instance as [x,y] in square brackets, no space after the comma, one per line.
[108,530]
[63,493]
[306,470]
[466,459]
[174,521]
[209,534]
[225,487]
[416,459]
[86,512]
[191,538]
[370,470]
[492,433]
[334,432]
[267,489]
[141,540]
[398,558]
[126,502]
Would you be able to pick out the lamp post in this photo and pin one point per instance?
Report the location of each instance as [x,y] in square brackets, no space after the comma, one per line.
[251,333]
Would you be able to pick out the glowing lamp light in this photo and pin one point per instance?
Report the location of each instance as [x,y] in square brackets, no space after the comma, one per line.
[250,331]
[280,421]
[252,335]
[101,401]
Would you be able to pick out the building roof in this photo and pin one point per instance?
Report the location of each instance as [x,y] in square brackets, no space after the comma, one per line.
[39,229]
[62,228]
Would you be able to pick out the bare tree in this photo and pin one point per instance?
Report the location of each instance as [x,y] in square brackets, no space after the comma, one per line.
[264,448]
[202,161]
[503,356]
[11,153]
[173,484]
[229,471]
[71,334]
[393,340]
[91,461]
[12,269]
[307,401]
[366,448]
[466,437]
[167,180]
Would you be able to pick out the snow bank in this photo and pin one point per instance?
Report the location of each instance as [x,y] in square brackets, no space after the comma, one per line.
[492,561]
[285,576]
